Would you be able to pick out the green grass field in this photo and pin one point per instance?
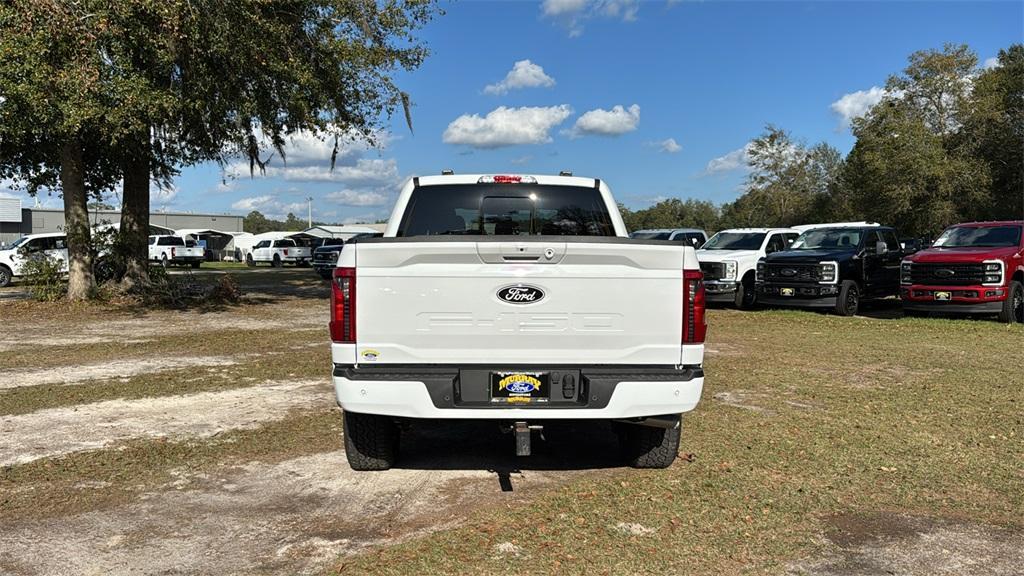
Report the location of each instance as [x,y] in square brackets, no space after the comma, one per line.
[811,428]
[805,419]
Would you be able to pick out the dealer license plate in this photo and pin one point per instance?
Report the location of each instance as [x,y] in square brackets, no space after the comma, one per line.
[520,387]
[787,291]
[943,295]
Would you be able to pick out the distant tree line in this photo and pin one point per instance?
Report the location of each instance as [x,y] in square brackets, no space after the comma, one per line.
[256,223]
[944,145]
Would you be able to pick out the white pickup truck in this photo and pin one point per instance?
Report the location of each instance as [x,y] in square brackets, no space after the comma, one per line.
[13,259]
[167,249]
[518,299]
[277,253]
[729,261]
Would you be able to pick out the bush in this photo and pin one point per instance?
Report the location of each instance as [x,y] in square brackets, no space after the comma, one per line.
[226,290]
[45,277]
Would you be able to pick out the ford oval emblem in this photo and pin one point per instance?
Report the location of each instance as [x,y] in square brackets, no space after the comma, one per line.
[520,294]
[944,272]
[788,272]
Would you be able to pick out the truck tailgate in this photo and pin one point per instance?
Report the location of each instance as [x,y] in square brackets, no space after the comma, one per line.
[584,300]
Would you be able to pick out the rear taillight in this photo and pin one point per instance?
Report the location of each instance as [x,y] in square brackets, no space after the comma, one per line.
[173,252]
[343,305]
[285,251]
[695,327]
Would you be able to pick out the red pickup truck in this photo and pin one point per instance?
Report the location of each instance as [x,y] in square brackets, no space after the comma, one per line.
[973,268]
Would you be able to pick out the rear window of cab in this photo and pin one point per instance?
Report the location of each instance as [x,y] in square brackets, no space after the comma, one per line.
[506,210]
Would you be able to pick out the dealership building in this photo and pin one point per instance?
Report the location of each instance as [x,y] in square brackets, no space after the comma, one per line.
[16,221]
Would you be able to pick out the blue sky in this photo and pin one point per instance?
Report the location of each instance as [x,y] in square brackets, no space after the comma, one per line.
[656,98]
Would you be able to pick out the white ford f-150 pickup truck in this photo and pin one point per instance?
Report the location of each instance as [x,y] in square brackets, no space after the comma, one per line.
[170,249]
[277,253]
[13,259]
[518,299]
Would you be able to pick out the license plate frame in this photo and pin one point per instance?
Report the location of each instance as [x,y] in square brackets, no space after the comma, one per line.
[520,387]
[942,295]
[787,291]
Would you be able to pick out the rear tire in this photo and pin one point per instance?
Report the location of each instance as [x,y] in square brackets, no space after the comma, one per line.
[163,260]
[5,276]
[249,261]
[1013,306]
[649,447]
[849,299]
[371,441]
[196,264]
[276,263]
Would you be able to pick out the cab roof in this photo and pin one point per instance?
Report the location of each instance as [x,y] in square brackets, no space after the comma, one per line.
[990,223]
[760,230]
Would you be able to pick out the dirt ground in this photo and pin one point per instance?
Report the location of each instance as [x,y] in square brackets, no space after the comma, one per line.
[247,473]
[292,516]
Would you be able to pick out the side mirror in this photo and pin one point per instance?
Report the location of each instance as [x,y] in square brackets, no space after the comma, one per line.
[881,247]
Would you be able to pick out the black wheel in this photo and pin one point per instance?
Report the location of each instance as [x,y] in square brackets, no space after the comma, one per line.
[325,274]
[163,260]
[1013,306]
[746,293]
[276,263]
[650,447]
[196,264]
[849,299]
[249,261]
[5,276]
[371,442]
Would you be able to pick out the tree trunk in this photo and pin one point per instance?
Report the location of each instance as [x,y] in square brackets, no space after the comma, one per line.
[134,235]
[81,283]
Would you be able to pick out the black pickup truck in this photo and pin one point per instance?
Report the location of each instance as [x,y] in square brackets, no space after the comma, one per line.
[832,267]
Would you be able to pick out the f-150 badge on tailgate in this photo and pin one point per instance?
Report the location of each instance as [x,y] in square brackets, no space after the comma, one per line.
[520,294]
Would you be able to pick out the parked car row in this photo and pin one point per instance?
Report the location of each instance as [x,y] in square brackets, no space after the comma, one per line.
[166,250]
[972,268]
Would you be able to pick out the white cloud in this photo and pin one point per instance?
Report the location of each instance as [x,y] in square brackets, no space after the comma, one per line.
[521,160]
[506,126]
[359,198]
[163,195]
[669,146]
[625,9]
[271,207]
[735,160]
[363,172]
[252,203]
[991,63]
[614,122]
[573,13]
[857,104]
[307,158]
[524,74]
[562,7]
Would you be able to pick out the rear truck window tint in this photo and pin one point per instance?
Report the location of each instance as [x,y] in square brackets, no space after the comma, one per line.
[506,209]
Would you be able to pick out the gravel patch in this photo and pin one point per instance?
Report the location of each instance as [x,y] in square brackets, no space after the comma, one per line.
[64,375]
[57,431]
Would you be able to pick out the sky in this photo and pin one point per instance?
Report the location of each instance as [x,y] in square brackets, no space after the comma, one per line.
[656,98]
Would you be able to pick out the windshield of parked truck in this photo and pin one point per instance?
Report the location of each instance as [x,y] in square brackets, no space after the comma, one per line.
[506,210]
[827,239]
[979,237]
[650,235]
[735,241]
